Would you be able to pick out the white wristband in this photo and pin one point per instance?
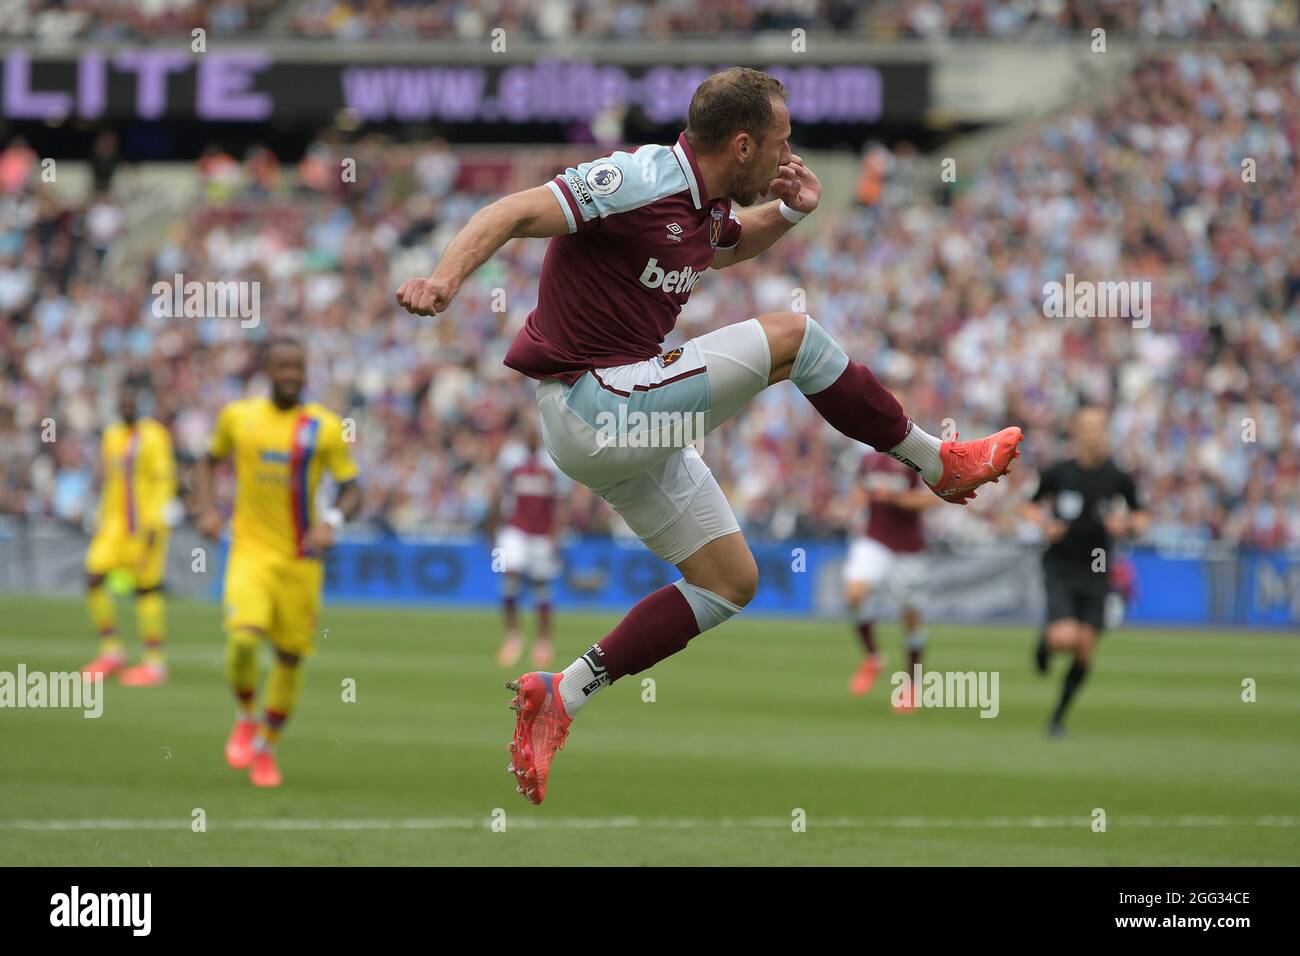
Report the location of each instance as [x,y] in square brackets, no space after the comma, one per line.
[333,517]
[791,215]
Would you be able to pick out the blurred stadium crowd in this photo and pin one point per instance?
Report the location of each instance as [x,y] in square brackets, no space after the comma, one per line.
[648,19]
[940,292]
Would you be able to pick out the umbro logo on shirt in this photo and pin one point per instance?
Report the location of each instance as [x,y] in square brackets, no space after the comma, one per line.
[674,232]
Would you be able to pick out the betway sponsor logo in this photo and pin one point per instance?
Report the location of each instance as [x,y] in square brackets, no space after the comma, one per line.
[679,280]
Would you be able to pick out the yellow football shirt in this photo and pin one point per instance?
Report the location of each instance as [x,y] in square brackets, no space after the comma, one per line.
[139,477]
[279,457]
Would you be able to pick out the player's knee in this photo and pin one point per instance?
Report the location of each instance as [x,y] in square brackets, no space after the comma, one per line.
[1062,635]
[785,332]
[735,582]
[243,637]
[740,583]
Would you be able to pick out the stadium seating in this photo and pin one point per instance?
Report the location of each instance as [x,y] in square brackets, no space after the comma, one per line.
[927,289]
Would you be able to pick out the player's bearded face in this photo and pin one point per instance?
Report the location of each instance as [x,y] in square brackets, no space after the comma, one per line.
[287,369]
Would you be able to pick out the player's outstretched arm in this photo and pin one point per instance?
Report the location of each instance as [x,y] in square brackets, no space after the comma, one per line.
[492,520]
[321,536]
[1036,513]
[205,499]
[533,213]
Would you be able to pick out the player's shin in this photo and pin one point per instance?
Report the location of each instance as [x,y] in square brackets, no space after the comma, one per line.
[659,626]
[103,615]
[543,618]
[914,639]
[850,397]
[283,688]
[510,602]
[1074,678]
[241,668]
[867,635]
[150,613]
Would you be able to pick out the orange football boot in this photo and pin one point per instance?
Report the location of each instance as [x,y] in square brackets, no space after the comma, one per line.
[541,727]
[239,745]
[143,675]
[512,648]
[105,664]
[866,676]
[969,464]
[264,772]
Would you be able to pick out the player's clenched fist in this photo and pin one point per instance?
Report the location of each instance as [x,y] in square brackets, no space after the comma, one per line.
[426,296]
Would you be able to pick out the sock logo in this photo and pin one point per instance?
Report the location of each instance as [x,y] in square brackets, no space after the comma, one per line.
[595,661]
[898,456]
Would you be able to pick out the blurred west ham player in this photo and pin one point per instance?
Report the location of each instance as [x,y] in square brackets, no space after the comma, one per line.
[886,560]
[631,235]
[139,483]
[527,519]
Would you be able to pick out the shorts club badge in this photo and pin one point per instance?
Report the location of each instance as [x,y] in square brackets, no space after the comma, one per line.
[668,358]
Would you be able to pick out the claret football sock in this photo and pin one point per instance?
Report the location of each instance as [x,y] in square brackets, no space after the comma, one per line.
[915,641]
[659,626]
[850,397]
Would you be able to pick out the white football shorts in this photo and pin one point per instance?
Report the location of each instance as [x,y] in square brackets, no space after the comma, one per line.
[530,555]
[627,433]
[891,575]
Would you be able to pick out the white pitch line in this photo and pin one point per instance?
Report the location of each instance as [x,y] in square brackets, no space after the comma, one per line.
[518,822]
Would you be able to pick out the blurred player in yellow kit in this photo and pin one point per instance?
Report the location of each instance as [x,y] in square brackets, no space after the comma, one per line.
[280,447]
[131,535]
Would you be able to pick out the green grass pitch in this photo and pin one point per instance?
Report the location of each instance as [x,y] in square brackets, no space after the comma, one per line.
[750,725]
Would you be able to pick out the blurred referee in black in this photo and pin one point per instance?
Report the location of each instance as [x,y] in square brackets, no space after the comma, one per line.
[1083,505]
